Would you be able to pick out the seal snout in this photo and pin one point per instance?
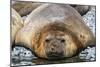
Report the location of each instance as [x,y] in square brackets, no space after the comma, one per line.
[55,48]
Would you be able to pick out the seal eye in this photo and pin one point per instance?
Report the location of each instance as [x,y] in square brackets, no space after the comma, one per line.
[47,40]
[62,41]
[82,36]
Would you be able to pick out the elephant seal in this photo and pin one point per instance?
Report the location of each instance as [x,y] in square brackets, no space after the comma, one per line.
[24,8]
[16,24]
[55,31]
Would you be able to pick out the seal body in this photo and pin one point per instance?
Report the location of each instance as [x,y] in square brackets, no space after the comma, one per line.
[16,24]
[24,8]
[54,31]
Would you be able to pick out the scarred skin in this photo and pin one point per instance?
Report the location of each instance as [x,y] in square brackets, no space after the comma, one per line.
[54,31]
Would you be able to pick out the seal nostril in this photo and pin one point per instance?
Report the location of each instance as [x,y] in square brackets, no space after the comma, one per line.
[52,49]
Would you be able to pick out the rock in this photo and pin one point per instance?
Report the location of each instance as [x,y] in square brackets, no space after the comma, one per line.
[88,54]
[21,53]
[23,63]
[90,19]
[82,9]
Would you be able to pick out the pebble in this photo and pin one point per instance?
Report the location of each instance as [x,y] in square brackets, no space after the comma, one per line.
[90,19]
[88,54]
[22,53]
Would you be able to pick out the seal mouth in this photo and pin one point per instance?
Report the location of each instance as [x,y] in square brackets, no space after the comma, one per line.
[55,55]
